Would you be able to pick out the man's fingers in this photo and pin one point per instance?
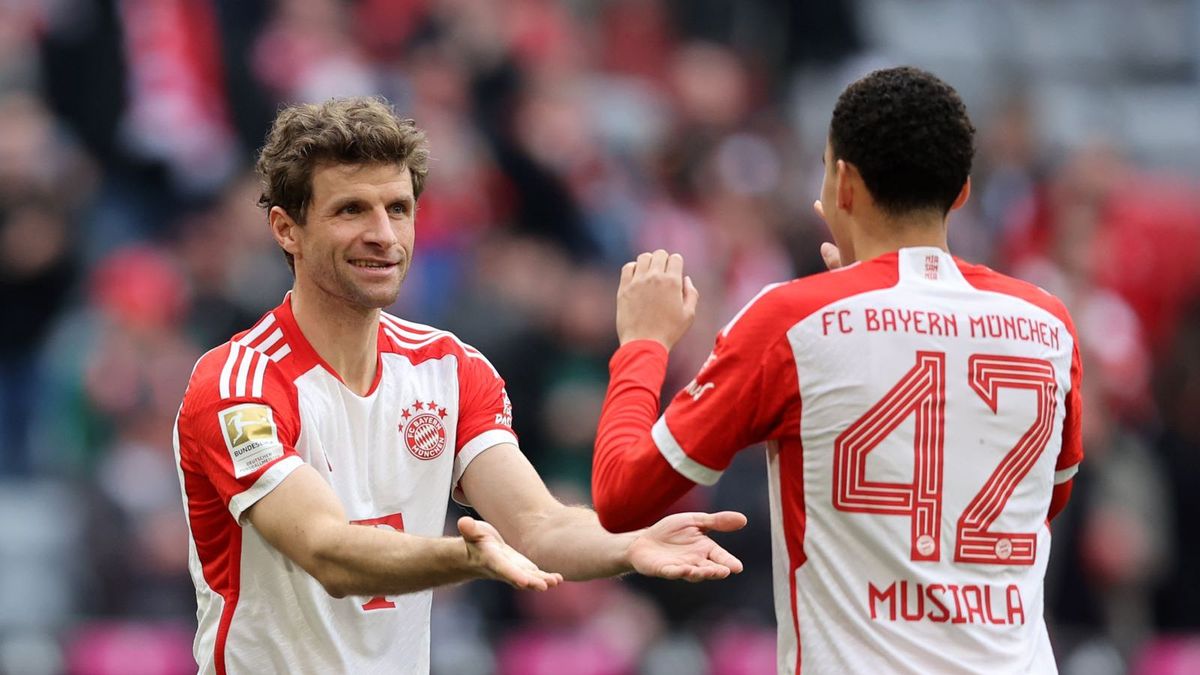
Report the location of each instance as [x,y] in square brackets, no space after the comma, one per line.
[691,296]
[627,273]
[675,265]
[468,528]
[539,581]
[723,521]
[707,572]
[642,265]
[722,557]
[527,582]
[658,261]
[674,571]
[819,208]
[522,574]
[831,255]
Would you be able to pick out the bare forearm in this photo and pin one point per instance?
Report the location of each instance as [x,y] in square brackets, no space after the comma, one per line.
[571,541]
[360,560]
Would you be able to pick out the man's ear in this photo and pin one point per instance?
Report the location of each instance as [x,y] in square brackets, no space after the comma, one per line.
[845,181]
[283,228]
[963,195]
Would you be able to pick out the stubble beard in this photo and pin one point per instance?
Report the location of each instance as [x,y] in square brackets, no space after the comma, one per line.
[364,296]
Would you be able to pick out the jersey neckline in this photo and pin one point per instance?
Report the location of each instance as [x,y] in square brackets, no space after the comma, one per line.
[307,354]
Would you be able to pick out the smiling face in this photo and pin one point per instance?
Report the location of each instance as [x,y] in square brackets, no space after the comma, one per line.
[357,241]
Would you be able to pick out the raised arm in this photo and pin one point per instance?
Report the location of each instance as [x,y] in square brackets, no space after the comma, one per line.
[743,394]
[506,490]
[632,483]
[303,518]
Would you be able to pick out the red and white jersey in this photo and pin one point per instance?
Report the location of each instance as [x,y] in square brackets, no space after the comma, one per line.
[260,406]
[918,411]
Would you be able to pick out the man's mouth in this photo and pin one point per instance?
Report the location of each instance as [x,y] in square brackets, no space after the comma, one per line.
[372,264]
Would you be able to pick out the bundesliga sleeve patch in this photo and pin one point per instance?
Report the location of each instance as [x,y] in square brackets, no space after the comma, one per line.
[250,436]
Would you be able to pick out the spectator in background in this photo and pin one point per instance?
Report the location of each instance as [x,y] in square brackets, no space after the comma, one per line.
[43,179]
[36,272]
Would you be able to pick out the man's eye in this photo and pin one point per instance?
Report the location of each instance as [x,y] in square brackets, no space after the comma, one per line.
[350,209]
[400,209]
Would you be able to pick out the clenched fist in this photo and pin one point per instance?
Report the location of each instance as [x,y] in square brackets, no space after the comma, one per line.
[655,301]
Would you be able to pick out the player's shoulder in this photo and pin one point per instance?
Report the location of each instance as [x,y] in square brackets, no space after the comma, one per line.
[984,278]
[782,305]
[207,370]
[246,366]
[420,342]
[413,337]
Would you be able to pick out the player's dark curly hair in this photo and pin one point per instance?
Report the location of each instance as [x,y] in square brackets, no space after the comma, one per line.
[909,135]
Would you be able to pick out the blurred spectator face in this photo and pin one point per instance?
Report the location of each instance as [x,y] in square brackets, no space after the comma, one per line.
[711,85]
[586,318]
[26,140]
[358,241]
[553,124]
[526,275]
[31,239]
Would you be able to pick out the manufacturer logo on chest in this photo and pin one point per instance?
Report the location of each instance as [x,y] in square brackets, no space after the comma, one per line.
[423,428]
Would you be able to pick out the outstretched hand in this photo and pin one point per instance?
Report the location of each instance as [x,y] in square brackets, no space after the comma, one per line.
[497,560]
[655,300]
[677,547]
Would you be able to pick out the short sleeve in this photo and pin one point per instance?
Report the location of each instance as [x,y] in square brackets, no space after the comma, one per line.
[745,393]
[1071,454]
[484,413]
[238,428]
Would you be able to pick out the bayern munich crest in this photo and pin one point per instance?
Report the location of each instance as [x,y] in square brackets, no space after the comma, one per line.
[423,429]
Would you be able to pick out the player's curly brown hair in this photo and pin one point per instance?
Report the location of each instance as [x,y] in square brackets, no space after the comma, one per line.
[356,130]
[908,134]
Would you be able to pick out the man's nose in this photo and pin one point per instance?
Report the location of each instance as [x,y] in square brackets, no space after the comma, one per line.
[380,229]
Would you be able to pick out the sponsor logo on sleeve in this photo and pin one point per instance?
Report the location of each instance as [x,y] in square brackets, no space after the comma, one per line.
[505,417]
[696,390]
[251,437]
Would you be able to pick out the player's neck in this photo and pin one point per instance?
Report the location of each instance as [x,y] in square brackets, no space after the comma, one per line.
[346,337]
[886,235]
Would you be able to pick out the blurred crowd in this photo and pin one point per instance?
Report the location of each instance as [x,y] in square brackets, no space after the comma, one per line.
[566,136]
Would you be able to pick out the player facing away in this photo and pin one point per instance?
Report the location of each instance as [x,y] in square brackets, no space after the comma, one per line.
[921,414]
[317,449]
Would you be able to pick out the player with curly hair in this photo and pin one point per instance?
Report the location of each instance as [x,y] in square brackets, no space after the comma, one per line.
[921,413]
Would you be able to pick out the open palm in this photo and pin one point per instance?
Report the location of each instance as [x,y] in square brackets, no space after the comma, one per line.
[499,561]
[678,547]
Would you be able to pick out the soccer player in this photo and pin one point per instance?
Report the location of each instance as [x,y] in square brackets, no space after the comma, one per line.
[317,449]
[921,414]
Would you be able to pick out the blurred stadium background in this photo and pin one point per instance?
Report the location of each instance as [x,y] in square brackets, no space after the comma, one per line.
[567,136]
